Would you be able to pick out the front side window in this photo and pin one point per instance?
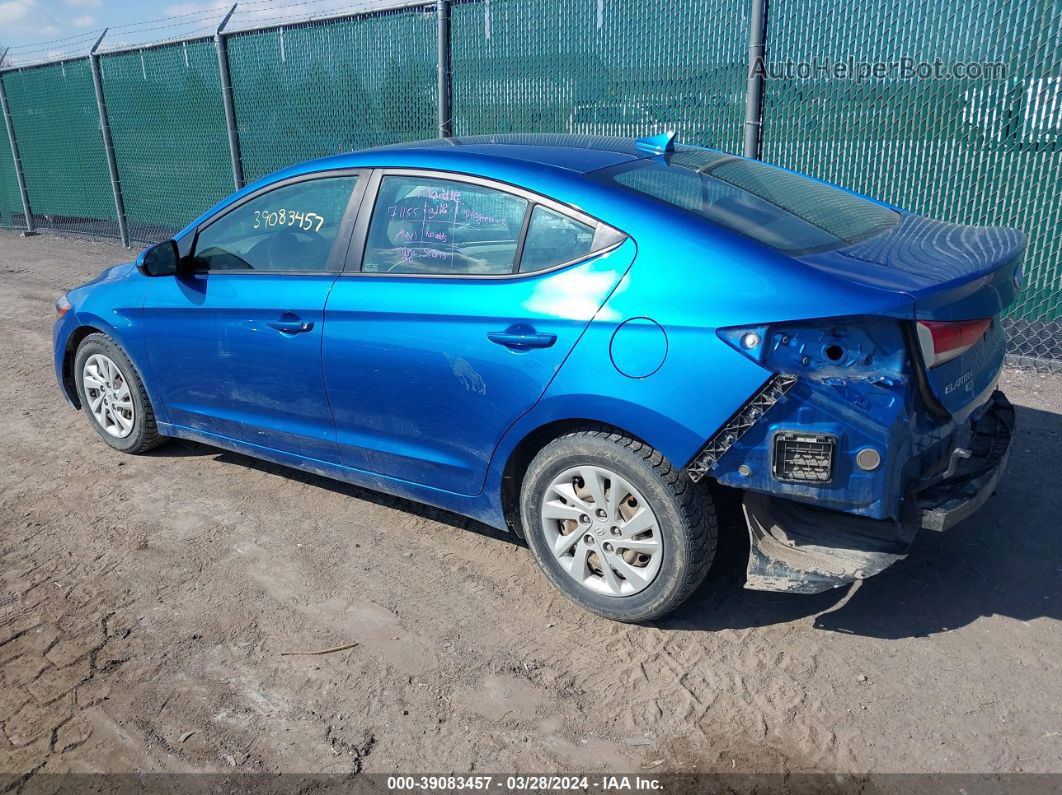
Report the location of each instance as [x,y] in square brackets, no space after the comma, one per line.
[438,226]
[553,239]
[291,228]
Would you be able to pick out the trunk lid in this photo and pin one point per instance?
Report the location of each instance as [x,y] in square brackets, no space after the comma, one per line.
[952,273]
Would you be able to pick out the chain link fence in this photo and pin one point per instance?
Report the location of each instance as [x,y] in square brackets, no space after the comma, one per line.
[976,149]
[324,88]
[168,126]
[11,214]
[57,127]
[605,68]
[901,124]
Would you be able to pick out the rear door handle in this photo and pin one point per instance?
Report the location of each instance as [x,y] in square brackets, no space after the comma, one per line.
[291,326]
[521,340]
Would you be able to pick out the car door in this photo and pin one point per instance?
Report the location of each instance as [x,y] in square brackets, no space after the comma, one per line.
[234,340]
[460,301]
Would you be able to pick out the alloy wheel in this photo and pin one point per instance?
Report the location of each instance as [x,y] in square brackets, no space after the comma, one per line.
[601,530]
[108,396]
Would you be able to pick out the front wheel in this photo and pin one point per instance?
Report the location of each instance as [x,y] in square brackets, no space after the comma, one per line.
[114,397]
[615,526]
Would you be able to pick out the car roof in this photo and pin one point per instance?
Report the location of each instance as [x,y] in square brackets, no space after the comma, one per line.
[552,164]
[579,154]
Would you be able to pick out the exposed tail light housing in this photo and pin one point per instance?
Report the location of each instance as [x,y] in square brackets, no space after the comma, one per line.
[941,341]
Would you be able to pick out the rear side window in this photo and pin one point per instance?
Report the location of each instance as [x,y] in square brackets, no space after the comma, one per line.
[424,225]
[553,239]
[290,228]
[786,211]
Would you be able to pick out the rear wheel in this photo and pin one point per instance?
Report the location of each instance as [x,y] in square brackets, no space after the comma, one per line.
[114,397]
[615,526]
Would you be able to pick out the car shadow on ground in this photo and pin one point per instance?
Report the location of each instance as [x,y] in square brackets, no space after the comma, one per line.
[182,448]
[1005,560]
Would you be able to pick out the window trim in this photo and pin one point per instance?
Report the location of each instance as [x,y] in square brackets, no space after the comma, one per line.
[356,253]
[334,262]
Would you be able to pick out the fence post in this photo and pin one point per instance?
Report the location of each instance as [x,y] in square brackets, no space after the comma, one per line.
[442,18]
[19,176]
[226,98]
[108,142]
[754,85]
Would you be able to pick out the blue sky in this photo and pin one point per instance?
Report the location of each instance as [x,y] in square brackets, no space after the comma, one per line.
[38,30]
[31,21]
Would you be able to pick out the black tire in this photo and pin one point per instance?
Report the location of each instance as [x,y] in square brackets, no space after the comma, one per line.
[144,435]
[684,510]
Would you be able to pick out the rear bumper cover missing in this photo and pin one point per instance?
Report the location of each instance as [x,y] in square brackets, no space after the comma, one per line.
[799,548]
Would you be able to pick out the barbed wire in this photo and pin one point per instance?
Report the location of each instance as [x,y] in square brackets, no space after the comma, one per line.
[48,44]
[192,24]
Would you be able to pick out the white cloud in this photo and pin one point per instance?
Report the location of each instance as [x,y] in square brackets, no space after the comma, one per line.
[83,22]
[84,3]
[251,14]
[180,9]
[12,11]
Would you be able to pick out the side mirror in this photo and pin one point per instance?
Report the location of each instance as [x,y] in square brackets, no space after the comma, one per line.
[162,259]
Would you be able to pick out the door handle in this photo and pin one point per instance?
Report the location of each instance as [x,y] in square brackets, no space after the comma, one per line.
[291,326]
[521,340]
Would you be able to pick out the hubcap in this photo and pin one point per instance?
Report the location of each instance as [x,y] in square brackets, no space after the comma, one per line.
[602,531]
[107,394]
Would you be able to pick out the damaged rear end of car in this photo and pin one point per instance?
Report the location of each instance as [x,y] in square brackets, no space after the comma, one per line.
[871,428]
[877,334]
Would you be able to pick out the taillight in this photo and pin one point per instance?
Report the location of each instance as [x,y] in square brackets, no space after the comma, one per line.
[942,341]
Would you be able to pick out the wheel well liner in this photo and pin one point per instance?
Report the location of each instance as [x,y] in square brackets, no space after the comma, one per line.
[72,343]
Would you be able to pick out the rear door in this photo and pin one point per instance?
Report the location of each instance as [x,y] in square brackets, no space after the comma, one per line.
[234,341]
[461,300]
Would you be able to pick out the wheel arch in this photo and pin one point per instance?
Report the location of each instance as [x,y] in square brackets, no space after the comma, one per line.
[69,352]
[529,445]
[122,336]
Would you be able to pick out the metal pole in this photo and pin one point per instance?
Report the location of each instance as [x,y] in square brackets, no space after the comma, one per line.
[754,87]
[446,121]
[108,142]
[19,176]
[226,98]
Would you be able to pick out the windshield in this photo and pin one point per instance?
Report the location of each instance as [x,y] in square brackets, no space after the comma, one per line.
[786,211]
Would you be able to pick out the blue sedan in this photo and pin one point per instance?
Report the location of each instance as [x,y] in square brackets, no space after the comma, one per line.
[577,339]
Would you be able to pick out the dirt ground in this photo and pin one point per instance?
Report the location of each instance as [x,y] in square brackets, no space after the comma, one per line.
[147,603]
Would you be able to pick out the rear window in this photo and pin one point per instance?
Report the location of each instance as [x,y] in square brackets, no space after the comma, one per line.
[785,211]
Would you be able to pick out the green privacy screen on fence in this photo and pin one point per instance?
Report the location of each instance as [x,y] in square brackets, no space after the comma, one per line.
[319,89]
[602,68]
[57,125]
[986,150]
[11,214]
[168,127]
[973,151]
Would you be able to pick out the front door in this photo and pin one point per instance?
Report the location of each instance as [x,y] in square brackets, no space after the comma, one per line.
[467,302]
[234,341]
